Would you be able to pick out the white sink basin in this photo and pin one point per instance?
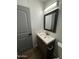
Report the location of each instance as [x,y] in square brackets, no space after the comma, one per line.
[46,38]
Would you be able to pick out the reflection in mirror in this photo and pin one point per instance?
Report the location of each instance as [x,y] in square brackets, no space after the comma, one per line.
[53,20]
[48,21]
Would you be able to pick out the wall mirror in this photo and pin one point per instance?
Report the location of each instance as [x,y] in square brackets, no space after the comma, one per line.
[50,21]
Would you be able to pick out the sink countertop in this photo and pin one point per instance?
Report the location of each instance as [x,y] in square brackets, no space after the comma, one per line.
[45,38]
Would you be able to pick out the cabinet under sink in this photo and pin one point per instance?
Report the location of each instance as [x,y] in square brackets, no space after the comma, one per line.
[45,44]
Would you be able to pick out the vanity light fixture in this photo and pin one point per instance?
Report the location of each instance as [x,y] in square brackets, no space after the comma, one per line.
[51,6]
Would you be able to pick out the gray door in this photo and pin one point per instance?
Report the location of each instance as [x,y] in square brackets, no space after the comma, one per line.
[24,38]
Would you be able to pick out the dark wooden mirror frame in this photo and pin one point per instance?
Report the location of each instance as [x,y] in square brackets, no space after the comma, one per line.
[55,22]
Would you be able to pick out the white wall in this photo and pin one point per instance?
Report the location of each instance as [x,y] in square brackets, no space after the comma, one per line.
[59,30]
[48,3]
[23,2]
[59,25]
[36,12]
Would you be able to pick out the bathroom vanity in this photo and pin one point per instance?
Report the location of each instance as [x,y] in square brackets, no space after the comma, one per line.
[46,39]
[45,44]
